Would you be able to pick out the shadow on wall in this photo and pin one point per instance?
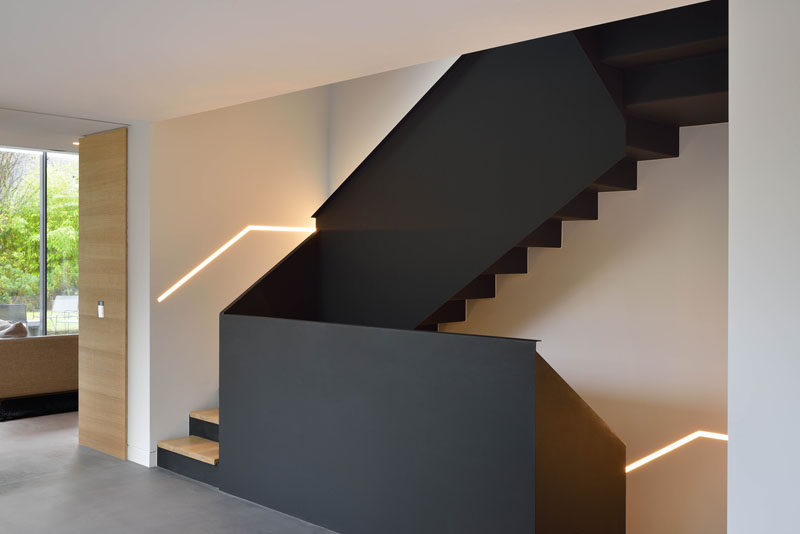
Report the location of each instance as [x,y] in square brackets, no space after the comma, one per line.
[683,491]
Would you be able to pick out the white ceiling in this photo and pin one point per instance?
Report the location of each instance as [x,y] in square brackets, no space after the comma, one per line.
[49,132]
[157,59]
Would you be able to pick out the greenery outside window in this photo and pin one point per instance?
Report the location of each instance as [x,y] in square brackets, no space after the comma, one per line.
[39,240]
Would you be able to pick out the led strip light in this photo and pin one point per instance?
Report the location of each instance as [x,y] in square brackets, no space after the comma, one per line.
[672,446]
[226,246]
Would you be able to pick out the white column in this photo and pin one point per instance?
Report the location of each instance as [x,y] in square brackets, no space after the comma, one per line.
[764,268]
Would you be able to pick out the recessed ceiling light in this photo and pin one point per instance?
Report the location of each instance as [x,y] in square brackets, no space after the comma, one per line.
[76,143]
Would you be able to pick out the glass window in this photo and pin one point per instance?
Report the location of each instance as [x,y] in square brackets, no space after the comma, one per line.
[39,241]
[62,243]
[20,188]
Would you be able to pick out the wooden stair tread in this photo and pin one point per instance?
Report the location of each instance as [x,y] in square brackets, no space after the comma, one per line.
[194,447]
[211,416]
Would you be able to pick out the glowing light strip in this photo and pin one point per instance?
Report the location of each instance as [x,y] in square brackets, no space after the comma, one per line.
[672,446]
[226,246]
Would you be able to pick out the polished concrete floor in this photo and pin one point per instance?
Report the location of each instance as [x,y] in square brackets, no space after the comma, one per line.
[50,484]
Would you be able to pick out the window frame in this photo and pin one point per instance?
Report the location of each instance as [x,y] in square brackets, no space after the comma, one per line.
[42,230]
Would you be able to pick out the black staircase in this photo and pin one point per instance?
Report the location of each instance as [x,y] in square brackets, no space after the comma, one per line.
[338,412]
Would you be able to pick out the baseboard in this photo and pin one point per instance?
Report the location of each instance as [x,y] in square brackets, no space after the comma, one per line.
[21,407]
[141,456]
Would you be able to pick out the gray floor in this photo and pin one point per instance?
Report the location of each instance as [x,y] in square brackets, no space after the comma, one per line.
[50,484]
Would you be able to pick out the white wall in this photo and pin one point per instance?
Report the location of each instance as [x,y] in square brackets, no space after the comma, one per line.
[764,359]
[212,174]
[139,294]
[364,110]
[632,313]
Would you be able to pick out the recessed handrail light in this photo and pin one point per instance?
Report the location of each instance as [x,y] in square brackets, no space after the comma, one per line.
[672,446]
[226,246]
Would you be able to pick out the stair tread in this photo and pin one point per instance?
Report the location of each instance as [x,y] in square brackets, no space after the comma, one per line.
[211,416]
[197,448]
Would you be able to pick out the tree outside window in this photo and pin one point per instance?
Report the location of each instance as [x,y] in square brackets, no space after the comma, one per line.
[22,174]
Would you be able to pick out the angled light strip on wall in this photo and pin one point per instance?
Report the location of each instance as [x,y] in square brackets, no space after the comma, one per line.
[226,246]
[672,446]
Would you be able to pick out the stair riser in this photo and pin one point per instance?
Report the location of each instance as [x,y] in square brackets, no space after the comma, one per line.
[514,261]
[483,287]
[547,235]
[203,429]
[453,311]
[188,467]
[620,177]
[651,140]
[581,208]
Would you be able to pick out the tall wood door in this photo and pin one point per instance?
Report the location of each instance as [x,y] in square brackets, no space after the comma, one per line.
[102,264]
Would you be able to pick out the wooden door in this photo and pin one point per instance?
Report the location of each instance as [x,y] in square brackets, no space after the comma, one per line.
[102,264]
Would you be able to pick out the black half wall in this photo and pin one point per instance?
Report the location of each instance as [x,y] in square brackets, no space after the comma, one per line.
[371,430]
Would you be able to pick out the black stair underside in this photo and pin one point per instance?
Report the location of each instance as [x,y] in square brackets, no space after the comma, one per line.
[547,235]
[685,92]
[677,33]
[620,177]
[651,140]
[483,287]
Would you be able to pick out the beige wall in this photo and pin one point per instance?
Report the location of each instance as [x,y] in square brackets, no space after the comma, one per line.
[632,312]
[212,174]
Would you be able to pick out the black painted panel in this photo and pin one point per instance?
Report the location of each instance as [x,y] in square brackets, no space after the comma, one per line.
[203,429]
[367,430]
[188,467]
[287,290]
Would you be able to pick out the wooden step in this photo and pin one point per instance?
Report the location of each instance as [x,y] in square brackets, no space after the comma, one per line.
[210,416]
[620,177]
[197,448]
[651,140]
[547,235]
[515,261]
[480,288]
